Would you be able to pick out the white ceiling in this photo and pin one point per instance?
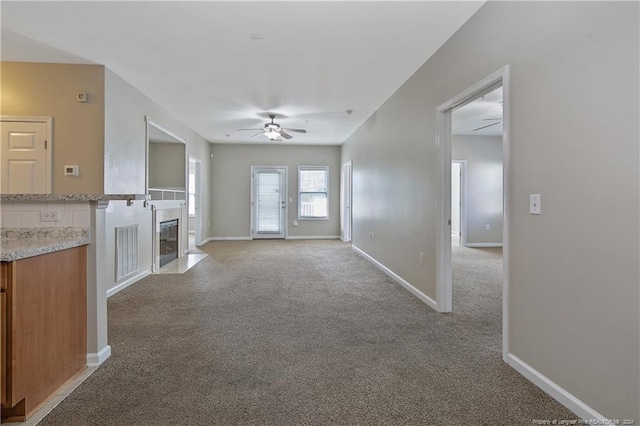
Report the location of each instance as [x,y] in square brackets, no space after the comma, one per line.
[479,113]
[197,59]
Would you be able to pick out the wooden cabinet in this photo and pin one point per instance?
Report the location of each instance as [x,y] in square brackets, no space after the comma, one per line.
[43,327]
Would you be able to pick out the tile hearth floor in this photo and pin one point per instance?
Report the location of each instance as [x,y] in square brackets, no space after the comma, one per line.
[182,264]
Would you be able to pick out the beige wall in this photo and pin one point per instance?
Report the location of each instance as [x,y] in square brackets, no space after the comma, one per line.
[573,271]
[231,186]
[33,89]
[483,156]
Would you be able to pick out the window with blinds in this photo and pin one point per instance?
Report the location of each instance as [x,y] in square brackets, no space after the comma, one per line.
[313,192]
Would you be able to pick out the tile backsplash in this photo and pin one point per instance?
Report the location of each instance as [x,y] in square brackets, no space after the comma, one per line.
[27,214]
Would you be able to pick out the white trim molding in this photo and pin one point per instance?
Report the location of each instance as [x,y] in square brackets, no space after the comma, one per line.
[313,237]
[480,245]
[556,392]
[420,295]
[229,239]
[127,283]
[95,359]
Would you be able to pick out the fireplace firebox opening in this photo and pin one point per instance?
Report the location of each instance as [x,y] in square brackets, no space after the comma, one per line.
[168,241]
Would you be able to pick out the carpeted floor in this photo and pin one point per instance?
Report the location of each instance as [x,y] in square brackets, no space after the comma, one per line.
[304,332]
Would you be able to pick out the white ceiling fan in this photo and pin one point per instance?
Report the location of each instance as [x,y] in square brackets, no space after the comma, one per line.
[489,125]
[273,130]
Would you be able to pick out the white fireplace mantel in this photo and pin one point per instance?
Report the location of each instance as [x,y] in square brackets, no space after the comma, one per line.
[162,213]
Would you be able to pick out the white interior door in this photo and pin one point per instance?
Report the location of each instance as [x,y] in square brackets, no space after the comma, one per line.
[346,200]
[26,157]
[269,204]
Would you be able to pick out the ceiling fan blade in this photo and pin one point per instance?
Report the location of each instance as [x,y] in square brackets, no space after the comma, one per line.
[296,130]
[257,134]
[489,119]
[488,125]
[286,136]
[248,129]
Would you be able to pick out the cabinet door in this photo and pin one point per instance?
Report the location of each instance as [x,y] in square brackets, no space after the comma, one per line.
[46,332]
[4,347]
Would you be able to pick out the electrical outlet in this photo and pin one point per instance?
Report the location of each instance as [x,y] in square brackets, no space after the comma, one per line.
[49,215]
[295,223]
[421,258]
[372,236]
[487,227]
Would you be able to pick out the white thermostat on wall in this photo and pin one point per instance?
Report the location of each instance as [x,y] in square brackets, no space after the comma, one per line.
[71,170]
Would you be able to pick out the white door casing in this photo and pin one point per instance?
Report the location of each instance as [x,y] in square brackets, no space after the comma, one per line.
[444,297]
[26,155]
[268,202]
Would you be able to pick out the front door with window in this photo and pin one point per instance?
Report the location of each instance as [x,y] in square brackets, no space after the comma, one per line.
[269,204]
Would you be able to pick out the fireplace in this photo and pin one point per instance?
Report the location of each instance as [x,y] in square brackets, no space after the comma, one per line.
[168,241]
[168,247]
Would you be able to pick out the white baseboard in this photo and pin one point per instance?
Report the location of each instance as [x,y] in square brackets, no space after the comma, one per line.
[420,295]
[95,359]
[203,242]
[479,245]
[229,239]
[556,392]
[315,237]
[127,283]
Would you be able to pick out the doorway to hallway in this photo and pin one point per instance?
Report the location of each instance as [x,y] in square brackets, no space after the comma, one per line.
[478,117]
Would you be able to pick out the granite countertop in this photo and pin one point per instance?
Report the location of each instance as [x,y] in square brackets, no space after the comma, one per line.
[20,243]
[69,197]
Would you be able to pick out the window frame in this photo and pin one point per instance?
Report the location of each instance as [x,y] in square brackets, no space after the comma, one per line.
[312,168]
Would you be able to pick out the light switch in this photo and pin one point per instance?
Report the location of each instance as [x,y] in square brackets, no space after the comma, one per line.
[535,204]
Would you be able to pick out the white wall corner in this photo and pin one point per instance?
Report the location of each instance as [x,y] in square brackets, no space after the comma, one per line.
[95,359]
[485,245]
[556,392]
[313,237]
[229,239]
[420,295]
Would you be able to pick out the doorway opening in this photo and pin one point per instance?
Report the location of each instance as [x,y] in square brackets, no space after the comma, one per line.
[194,202]
[347,185]
[268,202]
[458,202]
[471,132]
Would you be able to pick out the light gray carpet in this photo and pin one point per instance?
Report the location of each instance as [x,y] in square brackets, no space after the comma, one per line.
[304,332]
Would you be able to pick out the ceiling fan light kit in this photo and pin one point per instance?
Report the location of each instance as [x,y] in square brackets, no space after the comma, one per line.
[273,130]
